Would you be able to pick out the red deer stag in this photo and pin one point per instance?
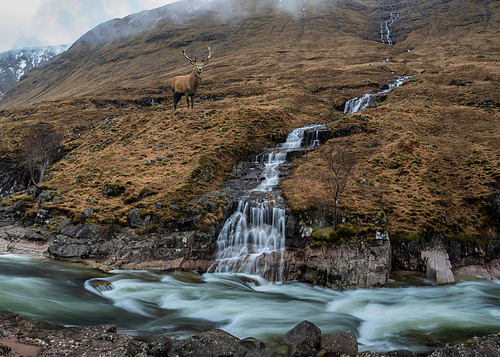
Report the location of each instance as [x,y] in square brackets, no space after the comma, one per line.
[188,85]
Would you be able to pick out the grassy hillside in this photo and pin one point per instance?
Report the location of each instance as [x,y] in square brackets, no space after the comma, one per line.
[430,150]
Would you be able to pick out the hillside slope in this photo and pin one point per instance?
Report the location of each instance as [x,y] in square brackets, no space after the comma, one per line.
[430,150]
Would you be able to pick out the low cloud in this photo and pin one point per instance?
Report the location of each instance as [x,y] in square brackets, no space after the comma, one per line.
[55,22]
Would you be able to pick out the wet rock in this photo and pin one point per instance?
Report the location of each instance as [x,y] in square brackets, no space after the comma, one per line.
[339,343]
[35,237]
[347,266]
[69,251]
[484,346]
[31,337]
[4,350]
[301,350]
[438,265]
[304,333]
[290,224]
[220,343]
[251,343]
[162,345]
[190,347]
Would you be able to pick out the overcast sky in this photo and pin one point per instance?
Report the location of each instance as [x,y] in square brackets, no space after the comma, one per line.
[28,23]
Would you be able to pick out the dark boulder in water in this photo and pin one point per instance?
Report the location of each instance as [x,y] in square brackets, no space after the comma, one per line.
[304,333]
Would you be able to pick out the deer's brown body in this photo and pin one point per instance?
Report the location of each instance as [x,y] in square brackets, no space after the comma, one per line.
[188,85]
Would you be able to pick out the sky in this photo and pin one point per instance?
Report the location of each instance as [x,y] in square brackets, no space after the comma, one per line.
[31,23]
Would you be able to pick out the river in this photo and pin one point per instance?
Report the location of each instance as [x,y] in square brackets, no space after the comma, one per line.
[411,314]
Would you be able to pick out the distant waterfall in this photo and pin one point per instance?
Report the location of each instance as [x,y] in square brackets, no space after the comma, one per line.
[387,17]
[359,103]
[253,238]
[385,29]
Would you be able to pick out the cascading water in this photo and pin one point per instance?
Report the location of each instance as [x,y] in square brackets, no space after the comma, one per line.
[253,238]
[387,17]
[385,29]
[359,103]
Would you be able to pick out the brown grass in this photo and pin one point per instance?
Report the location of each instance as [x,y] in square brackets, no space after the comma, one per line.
[437,144]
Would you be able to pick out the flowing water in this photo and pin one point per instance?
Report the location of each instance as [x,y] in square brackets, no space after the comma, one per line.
[413,314]
[256,230]
[359,103]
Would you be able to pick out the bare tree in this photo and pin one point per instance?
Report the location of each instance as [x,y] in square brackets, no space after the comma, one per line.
[339,169]
[41,147]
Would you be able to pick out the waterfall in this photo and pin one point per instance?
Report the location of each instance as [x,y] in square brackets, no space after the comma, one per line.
[359,103]
[387,19]
[252,240]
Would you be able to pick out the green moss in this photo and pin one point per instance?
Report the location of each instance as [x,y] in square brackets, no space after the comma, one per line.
[342,235]
[12,200]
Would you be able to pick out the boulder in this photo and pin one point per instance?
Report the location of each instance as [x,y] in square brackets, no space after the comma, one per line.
[112,190]
[28,338]
[45,196]
[86,213]
[485,346]
[304,333]
[137,219]
[438,265]
[69,251]
[34,237]
[162,345]
[220,343]
[4,350]
[190,347]
[339,343]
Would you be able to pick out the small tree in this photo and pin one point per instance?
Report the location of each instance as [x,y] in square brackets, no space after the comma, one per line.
[41,148]
[339,169]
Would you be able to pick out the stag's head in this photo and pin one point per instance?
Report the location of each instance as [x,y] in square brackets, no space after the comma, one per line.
[199,64]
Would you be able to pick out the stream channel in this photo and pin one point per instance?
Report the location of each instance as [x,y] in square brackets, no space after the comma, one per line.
[412,313]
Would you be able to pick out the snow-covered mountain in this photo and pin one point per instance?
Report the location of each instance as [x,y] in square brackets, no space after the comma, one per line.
[15,63]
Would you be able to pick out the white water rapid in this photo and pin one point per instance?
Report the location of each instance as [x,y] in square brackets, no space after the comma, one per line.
[412,314]
[359,103]
[253,237]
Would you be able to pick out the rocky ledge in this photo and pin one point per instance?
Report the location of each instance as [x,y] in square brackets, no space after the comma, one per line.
[21,337]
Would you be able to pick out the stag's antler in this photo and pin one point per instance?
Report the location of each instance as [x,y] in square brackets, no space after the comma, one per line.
[189,59]
[205,61]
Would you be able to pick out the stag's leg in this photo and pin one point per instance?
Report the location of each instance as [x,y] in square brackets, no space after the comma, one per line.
[177,97]
[192,101]
[187,98]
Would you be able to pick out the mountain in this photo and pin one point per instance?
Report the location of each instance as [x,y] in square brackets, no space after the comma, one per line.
[15,64]
[428,149]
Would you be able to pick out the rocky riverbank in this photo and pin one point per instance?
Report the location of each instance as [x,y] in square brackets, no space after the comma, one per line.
[21,337]
[359,264]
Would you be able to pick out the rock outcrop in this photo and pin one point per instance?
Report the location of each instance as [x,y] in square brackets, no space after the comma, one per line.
[19,336]
[484,346]
[348,266]
[438,265]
